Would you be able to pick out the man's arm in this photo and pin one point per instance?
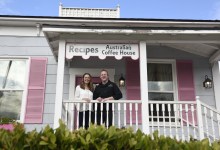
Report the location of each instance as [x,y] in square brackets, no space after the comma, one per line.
[96,95]
[117,92]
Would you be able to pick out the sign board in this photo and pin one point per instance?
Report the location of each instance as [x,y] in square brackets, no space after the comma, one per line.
[102,50]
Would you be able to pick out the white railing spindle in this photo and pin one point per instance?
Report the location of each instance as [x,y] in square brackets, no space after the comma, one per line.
[206,122]
[218,124]
[90,112]
[113,114]
[107,113]
[175,113]
[213,129]
[158,122]
[125,114]
[164,122]
[193,121]
[152,118]
[187,121]
[95,114]
[119,114]
[169,118]
[77,115]
[130,109]
[101,109]
[181,120]
[136,114]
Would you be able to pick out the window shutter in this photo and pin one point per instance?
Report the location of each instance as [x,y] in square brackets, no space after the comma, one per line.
[186,89]
[36,91]
[133,87]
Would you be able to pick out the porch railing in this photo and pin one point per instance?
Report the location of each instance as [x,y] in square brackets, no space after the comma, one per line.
[177,119]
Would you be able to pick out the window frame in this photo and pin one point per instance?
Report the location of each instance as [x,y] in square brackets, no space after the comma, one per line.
[175,87]
[25,90]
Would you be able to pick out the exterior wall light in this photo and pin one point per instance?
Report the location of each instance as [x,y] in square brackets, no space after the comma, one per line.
[121,81]
[207,83]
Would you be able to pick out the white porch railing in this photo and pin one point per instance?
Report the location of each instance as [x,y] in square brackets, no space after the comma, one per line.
[177,119]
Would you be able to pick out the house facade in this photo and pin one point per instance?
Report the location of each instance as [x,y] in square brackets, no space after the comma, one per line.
[164,63]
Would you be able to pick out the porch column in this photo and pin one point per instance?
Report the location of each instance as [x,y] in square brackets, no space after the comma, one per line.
[59,85]
[144,86]
[216,83]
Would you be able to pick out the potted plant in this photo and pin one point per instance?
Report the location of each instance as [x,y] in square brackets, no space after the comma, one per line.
[6,123]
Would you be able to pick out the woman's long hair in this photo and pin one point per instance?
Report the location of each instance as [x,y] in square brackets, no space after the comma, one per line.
[90,85]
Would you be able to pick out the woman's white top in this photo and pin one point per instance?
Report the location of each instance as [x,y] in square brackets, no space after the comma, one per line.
[83,93]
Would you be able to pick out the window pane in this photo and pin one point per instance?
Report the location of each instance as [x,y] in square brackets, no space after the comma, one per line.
[160,77]
[10,104]
[16,75]
[159,72]
[160,86]
[3,70]
[161,96]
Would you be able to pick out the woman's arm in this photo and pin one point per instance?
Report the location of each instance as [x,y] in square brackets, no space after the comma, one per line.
[77,93]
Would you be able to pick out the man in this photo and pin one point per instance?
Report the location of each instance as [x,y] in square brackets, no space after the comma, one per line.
[104,91]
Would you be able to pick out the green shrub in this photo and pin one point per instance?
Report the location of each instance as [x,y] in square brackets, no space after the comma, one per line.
[6,120]
[94,138]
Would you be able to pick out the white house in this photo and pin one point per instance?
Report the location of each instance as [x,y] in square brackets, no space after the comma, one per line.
[164,63]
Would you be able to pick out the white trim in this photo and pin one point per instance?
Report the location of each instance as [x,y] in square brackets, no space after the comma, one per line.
[174,74]
[163,42]
[215,57]
[79,72]
[129,31]
[6,57]
[144,86]
[59,83]
[175,87]
[119,21]
[24,94]
[216,85]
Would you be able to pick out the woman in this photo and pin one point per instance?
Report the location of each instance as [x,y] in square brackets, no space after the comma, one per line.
[84,92]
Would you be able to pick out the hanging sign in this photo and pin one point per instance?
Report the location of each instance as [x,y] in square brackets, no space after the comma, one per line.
[102,50]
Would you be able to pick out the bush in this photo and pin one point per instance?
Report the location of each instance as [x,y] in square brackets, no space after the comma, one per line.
[95,138]
[6,121]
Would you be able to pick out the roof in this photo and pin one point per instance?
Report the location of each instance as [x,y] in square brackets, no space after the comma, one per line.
[134,21]
[200,37]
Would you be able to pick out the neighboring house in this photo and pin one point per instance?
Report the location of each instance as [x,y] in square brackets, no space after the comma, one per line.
[164,62]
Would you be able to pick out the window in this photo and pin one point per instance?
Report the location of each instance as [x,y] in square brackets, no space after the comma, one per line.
[161,87]
[12,85]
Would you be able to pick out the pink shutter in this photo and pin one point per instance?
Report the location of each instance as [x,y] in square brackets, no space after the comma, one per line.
[36,90]
[133,87]
[186,90]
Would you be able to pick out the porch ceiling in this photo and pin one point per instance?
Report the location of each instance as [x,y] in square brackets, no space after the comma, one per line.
[202,43]
[202,49]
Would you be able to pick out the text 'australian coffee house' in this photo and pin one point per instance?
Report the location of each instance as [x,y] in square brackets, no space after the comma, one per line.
[102,50]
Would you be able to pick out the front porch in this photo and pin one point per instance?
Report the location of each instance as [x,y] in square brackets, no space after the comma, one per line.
[177,119]
[163,81]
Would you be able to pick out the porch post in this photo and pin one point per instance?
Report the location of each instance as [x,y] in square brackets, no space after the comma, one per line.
[59,85]
[144,86]
[199,117]
[216,81]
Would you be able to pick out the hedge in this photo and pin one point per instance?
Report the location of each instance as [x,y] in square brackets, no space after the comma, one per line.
[94,138]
